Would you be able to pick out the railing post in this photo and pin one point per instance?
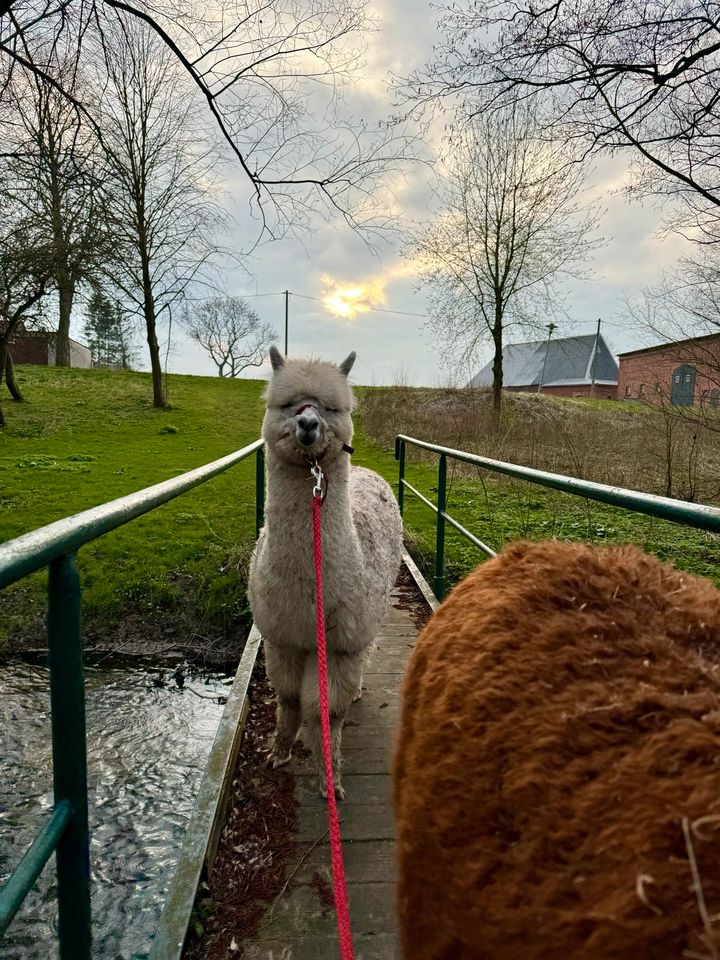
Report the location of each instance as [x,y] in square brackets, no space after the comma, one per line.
[400,455]
[440,532]
[67,691]
[259,490]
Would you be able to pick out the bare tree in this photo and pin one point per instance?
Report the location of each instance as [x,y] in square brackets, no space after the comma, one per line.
[271,74]
[50,173]
[233,334]
[511,227]
[25,278]
[161,203]
[640,76]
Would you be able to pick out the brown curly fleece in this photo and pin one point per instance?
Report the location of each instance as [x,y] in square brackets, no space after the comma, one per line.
[560,721]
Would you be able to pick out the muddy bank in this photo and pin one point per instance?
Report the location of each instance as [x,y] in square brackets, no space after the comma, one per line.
[168,634]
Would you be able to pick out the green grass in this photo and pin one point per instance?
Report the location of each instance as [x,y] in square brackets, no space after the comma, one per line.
[88,436]
[85,437]
[498,511]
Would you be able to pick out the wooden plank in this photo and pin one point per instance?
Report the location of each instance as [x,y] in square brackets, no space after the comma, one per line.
[380,946]
[366,760]
[367,821]
[377,696]
[366,861]
[391,661]
[422,584]
[376,702]
[361,789]
[307,912]
[398,617]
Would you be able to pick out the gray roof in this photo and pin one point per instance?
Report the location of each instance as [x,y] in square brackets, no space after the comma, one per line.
[570,362]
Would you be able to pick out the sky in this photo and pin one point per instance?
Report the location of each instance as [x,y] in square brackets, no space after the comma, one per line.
[390,336]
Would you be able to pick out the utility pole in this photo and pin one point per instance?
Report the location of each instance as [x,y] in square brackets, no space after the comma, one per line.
[287,296]
[550,328]
[594,360]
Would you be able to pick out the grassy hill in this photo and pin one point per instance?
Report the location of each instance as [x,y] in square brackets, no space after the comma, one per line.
[177,577]
[87,436]
[625,444]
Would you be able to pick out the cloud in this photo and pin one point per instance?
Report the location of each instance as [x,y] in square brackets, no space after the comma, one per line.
[351,298]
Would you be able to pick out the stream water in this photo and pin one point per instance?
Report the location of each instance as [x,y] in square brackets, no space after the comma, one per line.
[147,748]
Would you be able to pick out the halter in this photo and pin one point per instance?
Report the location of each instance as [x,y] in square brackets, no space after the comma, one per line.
[314,460]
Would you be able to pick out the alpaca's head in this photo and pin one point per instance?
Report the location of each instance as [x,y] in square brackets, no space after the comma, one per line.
[308,403]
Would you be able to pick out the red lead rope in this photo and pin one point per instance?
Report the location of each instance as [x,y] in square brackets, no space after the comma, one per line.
[341,903]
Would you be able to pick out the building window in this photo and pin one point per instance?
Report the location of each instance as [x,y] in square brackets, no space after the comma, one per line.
[627,389]
[677,378]
[641,391]
[687,378]
[658,388]
[715,398]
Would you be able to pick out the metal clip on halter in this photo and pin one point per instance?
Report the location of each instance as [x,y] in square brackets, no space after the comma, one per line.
[318,476]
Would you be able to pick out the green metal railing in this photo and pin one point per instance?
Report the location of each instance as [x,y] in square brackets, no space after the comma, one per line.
[66,832]
[693,515]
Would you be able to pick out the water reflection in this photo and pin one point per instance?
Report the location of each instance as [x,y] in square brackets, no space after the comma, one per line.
[147,747]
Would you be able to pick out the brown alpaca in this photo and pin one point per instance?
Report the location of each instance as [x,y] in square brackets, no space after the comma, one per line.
[557,773]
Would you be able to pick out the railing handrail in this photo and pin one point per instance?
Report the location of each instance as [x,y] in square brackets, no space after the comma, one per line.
[34,550]
[66,832]
[664,508]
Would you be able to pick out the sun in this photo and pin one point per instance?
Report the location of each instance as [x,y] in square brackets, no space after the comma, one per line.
[349,300]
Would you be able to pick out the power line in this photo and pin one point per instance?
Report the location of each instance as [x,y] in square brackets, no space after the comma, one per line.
[280,293]
[305,296]
[403,313]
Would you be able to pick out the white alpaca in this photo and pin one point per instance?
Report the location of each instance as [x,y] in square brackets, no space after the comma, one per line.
[307,419]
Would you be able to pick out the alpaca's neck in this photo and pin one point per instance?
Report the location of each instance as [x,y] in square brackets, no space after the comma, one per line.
[289,497]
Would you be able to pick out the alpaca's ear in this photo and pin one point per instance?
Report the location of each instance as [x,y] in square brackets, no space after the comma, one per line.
[347,364]
[276,358]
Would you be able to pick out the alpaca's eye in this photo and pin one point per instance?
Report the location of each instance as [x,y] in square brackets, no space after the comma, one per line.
[288,406]
[330,410]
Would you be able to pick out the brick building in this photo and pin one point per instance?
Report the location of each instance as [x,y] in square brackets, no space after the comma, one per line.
[38,347]
[686,373]
[567,367]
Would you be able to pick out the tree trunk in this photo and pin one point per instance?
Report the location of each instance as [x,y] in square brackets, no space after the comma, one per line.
[63,278]
[497,370]
[668,456]
[4,354]
[10,378]
[66,295]
[159,398]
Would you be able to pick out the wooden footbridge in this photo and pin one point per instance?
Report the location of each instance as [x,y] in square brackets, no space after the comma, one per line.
[299,923]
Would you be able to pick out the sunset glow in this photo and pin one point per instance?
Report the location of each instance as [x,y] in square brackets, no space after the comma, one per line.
[349,300]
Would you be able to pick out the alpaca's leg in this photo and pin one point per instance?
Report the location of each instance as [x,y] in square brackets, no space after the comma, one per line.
[357,695]
[344,677]
[361,661]
[285,669]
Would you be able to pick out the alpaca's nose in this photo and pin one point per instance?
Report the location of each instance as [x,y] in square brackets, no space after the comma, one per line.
[308,427]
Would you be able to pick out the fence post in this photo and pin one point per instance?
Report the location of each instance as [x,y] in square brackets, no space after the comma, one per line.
[440,532]
[259,490]
[400,455]
[67,693]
